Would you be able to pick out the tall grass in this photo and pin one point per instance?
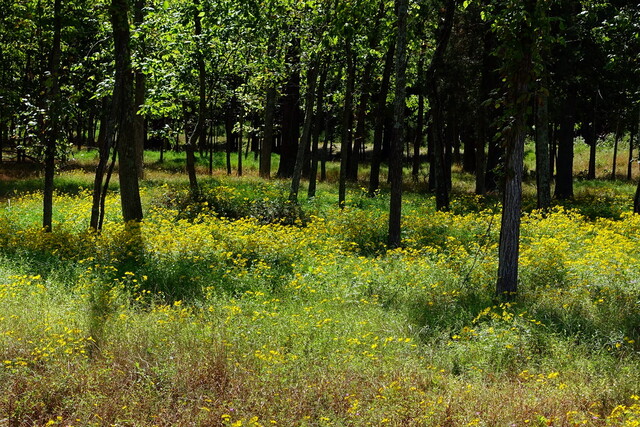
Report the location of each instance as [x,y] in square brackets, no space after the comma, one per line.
[236,309]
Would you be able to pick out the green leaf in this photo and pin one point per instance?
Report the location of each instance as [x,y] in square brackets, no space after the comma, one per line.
[201,14]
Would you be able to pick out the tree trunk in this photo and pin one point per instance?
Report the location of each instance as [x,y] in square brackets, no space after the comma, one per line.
[140,83]
[291,114]
[399,105]
[229,122]
[417,142]
[591,138]
[306,131]
[318,119]
[124,113]
[437,120]
[381,108]
[240,137]
[630,159]
[518,77]
[615,151]
[564,163]
[543,176]
[267,140]
[347,119]
[54,116]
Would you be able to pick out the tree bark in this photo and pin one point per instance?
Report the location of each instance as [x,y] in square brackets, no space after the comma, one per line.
[54,117]
[139,97]
[399,105]
[564,163]
[518,77]
[347,120]
[306,131]
[374,177]
[417,142]
[432,77]
[614,162]
[124,113]
[291,114]
[317,127]
[543,175]
[267,140]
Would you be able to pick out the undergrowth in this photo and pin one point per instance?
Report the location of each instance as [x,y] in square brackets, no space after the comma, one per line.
[239,308]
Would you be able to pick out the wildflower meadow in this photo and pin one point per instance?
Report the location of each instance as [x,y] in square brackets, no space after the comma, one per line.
[242,309]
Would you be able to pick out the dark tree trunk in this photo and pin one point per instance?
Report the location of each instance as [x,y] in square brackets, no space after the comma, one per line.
[469,154]
[54,116]
[635,130]
[487,149]
[417,142]
[291,115]
[381,108]
[240,137]
[140,83]
[440,174]
[124,113]
[267,140]
[439,155]
[615,150]
[543,175]
[324,154]
[317,127]
[636,199]
[591,138]
[190,149]
[564,163]
[347,120]
[306,131]
[630,158]
[395,163]
[517,79]
[229,122]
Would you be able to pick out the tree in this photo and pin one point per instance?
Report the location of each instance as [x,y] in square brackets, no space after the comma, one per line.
[395,166]
[123,113]
[54,117]
[514,25]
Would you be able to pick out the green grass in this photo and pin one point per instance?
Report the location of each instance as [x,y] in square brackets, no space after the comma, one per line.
[239,308]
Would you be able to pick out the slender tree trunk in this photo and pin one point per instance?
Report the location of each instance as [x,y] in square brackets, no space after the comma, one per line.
[230,117]
[439,155]
[318,119]
[140,87]
[395,164]
[615,151]
[381,107]
[123,106]
[306,131]
[437,120]
[347,119]
[267,140]
[543,176]
[54,116]
[417,142]
[190,149]
[564,163]
[591,138]
[518,79]
[324,154]
[240,142]
[636,199]
[630,159]
[291,114]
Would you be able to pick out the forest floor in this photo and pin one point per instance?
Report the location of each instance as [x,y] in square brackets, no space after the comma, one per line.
[240,308]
